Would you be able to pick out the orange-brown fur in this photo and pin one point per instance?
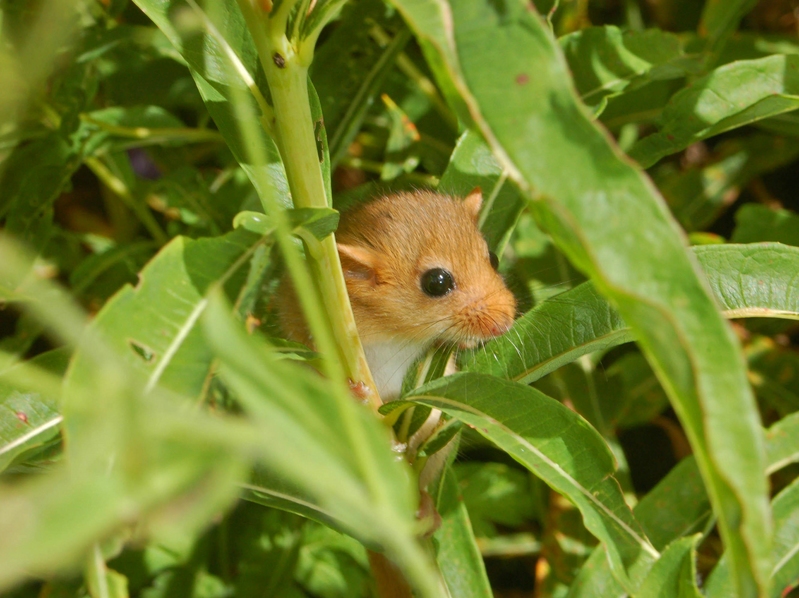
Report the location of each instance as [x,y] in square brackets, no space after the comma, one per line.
[385,246]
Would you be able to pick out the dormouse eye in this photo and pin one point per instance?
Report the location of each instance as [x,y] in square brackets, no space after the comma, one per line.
[492,257]
[437,282]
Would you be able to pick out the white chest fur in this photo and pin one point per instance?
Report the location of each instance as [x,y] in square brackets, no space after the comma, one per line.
[388,361]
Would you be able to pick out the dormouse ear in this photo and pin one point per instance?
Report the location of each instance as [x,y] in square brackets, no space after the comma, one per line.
[358,262]
[473,202]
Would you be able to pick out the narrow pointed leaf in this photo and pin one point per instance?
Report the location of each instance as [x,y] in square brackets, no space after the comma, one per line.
[674,575]
[305,424]
[458,555]
[754,280]
[350,66]
[782,443]
[734,95]
[678,506]
[607,61]
[214,41]
[472,165]
[784,554]
[28,419]
[757,223]
[555,444]
[720,18]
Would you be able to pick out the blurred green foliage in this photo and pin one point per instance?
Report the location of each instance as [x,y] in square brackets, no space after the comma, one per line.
[158,438]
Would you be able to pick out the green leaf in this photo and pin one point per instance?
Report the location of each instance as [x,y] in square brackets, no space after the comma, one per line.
[472,165]
[319,222]
[730,97]
[100,275]
[747,281]
[117,126]
[268,545]
[555,444]
[720,18]
[638,398]
[152,338]
[495,494]
[265,488]
[486,51]
[643,105]
[320,137]
[785,574]
[674,575]
[774,373]
[457,553]
[784,553]
[753,280]
[255,222]
[756,223]
[154,325]
[606,61]
[782,443]
[104,582]
[400,156]
[51,522]
[32,178]
[698,195]
[678,506]
[332,565]
[29,419]
[223,62]
[350,67]
[539,344]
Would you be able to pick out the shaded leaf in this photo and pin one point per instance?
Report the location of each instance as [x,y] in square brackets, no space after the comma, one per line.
[350,66]
[472,165]
[495,494]
[607,61]
[674,575]
[720,18]
[457,553]
[678,506]
[756,223]
[698,195]
[732,96]
[782,443]
[224,64]
[348,469]
[784,553]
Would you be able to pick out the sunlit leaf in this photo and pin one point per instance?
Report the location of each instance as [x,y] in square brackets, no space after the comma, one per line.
[732,96]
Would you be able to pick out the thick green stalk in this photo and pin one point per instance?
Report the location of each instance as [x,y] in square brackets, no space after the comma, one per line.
[286,66]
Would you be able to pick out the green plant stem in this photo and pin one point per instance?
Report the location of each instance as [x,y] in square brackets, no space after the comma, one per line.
[158,135]
[333,326]
[425,85]
[116,185]
[287,73]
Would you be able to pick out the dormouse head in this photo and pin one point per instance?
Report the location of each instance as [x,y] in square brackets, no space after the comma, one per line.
[418,270]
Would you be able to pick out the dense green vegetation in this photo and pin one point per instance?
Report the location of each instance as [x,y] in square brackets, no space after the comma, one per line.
[635,433]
